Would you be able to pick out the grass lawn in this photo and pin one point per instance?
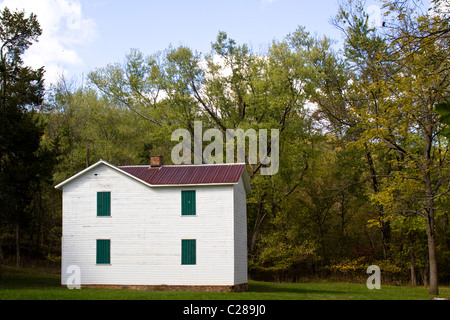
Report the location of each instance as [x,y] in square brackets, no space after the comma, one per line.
[18,284]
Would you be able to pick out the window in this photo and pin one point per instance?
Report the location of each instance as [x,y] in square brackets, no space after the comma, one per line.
[103,251]
[188,203]
[103,204]
[188,252]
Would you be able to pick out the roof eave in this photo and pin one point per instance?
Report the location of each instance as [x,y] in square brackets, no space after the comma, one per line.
[100,162]
[79,174]
[194,184]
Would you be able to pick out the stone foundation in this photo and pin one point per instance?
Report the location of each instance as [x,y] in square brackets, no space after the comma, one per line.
[234,288]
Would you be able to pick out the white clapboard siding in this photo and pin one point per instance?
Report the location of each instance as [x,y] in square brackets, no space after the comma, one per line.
[146,228]
[240,233]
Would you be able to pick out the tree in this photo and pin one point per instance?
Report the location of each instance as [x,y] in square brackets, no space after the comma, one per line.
[400,83]
[90,127]
[352,174]
[21,93]
[342,86]
[229,88]
[420,42]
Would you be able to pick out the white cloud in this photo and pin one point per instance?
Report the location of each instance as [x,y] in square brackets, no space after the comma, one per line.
[64,28]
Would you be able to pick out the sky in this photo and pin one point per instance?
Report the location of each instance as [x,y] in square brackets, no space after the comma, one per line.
[82,35]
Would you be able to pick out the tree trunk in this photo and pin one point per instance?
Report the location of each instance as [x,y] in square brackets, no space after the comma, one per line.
[412,261]
[1,261]
[17,246]
[258,222]
[88,157]
[432,252]
[430,233]
[425,276]
[430,211]
[385,233]
[385,225]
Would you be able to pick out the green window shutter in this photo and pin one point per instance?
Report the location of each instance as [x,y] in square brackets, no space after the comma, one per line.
[103,204]
[103,251]
[188,252]
[188,203]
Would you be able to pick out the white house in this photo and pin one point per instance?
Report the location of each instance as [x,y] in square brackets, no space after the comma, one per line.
[156,226]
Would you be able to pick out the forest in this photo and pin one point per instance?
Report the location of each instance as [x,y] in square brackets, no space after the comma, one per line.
[364,175]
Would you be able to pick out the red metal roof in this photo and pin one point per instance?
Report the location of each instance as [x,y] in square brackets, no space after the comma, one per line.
[187,174]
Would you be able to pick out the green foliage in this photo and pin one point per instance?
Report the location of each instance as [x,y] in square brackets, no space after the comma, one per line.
[363,136]
[17,33]
[26,164]
[360,265]
[444,111]
[90,128]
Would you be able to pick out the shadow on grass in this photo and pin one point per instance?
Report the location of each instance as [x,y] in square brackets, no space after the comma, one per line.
[17,278]
[22,278]
[266,287]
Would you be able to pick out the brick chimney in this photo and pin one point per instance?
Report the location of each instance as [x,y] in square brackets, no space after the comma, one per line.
[156,161]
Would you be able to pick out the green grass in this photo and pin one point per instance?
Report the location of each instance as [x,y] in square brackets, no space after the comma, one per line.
[18,284]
